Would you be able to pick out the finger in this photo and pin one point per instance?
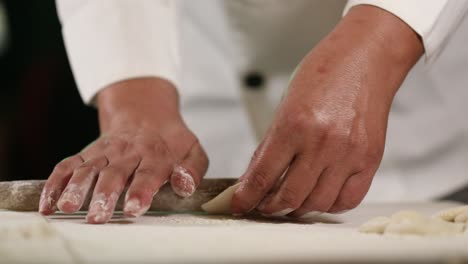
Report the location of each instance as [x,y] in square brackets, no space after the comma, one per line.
[267,166]
[298,183]
[110,184]
[324,193]
[83,178]
[188,174]
[147,180]
[56,182]
[353,192]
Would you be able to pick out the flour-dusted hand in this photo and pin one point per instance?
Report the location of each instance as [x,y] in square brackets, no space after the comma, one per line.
[144,143]
[328,135]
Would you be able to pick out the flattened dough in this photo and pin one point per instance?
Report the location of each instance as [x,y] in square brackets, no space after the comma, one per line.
[221,204]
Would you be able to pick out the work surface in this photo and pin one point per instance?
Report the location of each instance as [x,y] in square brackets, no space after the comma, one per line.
[199,238]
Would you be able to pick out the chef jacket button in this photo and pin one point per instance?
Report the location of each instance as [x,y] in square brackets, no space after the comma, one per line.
[254,80]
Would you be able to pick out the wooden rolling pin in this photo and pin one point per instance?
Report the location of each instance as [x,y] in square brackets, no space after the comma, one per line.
[24,196]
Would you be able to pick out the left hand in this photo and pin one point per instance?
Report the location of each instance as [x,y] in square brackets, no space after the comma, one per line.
[328,135]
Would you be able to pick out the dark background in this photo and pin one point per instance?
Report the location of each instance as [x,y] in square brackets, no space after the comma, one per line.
[42,117]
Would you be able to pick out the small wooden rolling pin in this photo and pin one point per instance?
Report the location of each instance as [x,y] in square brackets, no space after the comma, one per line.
[24,196]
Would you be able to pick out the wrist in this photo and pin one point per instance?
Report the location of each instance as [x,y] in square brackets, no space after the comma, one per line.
[369,52]
[141,102]
[388,37]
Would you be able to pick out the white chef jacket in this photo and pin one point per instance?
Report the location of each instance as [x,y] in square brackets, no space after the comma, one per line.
[211,50]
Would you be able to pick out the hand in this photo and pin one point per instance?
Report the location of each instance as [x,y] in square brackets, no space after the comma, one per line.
[328,135]
[144,143]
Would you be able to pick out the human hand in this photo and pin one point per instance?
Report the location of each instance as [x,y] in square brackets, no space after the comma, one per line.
[328,134]
[144,143]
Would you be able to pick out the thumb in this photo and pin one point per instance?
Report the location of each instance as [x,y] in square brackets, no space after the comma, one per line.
[188,174]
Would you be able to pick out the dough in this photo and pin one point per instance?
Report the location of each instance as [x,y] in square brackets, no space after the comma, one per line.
[411,223]
[376,225]
[29,238]
[221,204]
[423,227]
[451,214]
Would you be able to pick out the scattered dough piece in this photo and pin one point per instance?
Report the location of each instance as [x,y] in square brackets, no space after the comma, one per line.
[423,227]
[412,223]
[221,204]
[407,216]
[451,213]
[376,225]
[462,218]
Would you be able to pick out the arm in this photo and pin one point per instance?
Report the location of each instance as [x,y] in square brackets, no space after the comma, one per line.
[124,58]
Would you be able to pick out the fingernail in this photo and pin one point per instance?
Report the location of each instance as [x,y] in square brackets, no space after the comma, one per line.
[68,199]
[310,214]
[47,202]
[283,212]
[71,197]
[184,185]
[133,208]
[101,208]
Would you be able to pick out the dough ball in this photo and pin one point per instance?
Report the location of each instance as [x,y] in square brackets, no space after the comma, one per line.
[375,225]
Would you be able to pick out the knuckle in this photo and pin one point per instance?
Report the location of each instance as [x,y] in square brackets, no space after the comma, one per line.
[111,171]
[65,165]
[318,203]
[144,149]
[61,167]
[351,199]
[374,155]
[259,180]
[161,149]
[356,142]
[350,203]
[145,171]
[289,197]
[322,206]
[299,121]
[117,144]
[86,169]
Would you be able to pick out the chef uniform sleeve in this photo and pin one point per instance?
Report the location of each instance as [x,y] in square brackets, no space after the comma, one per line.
[434,20]
[112,40]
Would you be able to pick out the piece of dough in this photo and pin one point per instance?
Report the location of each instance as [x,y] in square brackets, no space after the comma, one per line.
[411,223]
[451,214]
[407,216]
[376,225]
[423,227]
[221,204]
[462,218]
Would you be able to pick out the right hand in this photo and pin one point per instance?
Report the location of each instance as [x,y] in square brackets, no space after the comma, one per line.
[144,143]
